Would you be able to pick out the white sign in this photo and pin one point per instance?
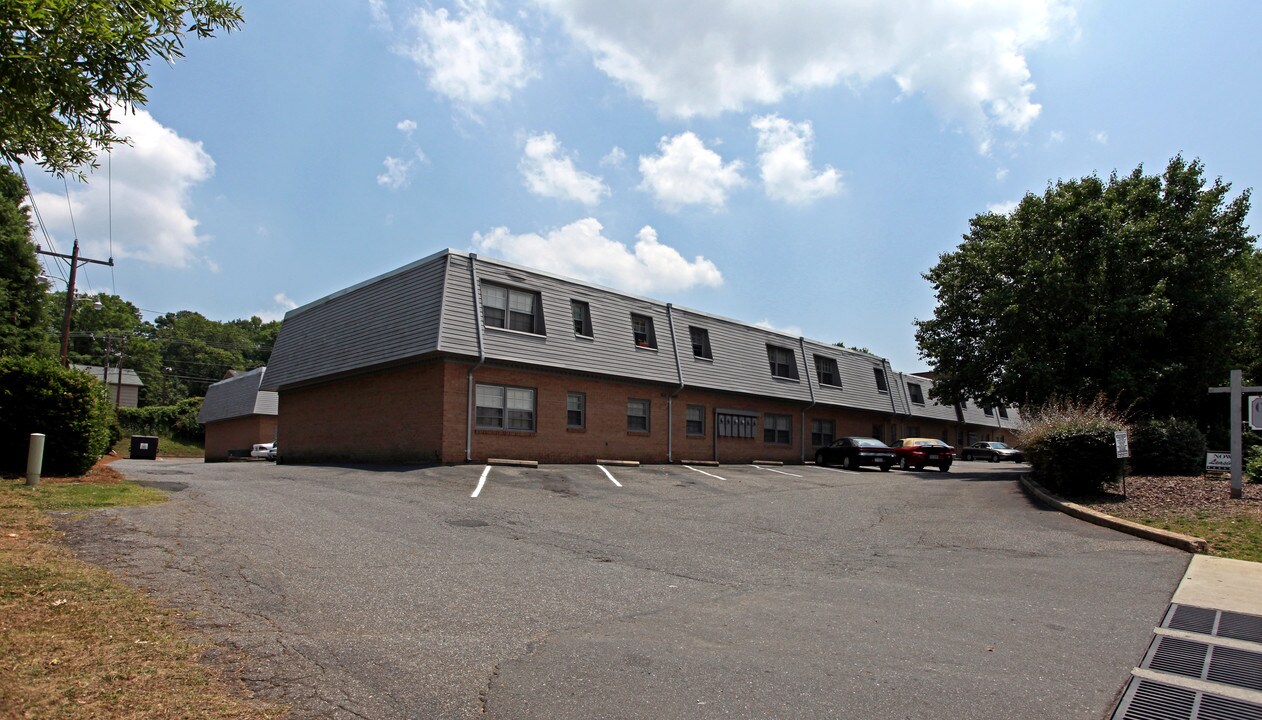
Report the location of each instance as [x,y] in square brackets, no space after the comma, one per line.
[1122,443]
[1255,412]
[1218,461]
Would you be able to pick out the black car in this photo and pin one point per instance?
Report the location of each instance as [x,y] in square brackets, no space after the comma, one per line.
[992,451]
[852,452]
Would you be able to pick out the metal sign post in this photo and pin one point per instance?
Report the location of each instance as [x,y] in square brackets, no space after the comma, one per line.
[1122,443]
[1237,454]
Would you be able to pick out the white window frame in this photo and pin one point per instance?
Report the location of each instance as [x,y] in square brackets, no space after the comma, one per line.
[504,407]
[581,409]
[636,404]
[787,359]
[698,422]
[504,307]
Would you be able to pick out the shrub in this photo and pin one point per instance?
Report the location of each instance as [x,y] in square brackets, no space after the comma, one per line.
[1253,464]
[1168,447]
[177,421]
[1070,445]
[70,407]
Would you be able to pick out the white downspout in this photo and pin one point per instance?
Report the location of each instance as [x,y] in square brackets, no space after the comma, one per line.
[477,321]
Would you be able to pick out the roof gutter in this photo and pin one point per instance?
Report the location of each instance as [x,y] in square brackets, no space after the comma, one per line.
[670,399]
[809,386]
[477,321]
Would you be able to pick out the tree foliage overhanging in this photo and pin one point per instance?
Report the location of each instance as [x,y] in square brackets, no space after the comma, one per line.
[1144,288]
[65,65]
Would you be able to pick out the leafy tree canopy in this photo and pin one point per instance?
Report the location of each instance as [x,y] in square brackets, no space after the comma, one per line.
[65,64]
[1136,288]
[22,307]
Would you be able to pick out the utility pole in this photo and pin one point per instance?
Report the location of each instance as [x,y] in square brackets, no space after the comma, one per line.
[75,261]
[1237,445]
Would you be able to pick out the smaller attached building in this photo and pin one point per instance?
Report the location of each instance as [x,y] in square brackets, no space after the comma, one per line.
[237,415]
[123,385]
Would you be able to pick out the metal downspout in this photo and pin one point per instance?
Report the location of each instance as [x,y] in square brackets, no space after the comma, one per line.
[670,399]
[809,386]
[889,376]
[477,321]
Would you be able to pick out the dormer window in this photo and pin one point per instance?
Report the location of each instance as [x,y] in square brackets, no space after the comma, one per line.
[582,314]
[826,371]
[511,309]
[642,331]
[700,343]
[881,385]
[782,362]
[917,397]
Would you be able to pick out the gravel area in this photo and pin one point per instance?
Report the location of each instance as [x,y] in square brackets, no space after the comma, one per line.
[1164,496]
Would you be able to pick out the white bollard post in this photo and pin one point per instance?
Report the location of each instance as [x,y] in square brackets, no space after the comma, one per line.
[35,459]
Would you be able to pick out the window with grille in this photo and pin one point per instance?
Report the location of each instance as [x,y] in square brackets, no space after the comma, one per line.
[511,309]
[642,331]
[508,408]
[917,396]
[881,385]
[638,415]
[694,419]
[582,314]
[576,410]
[700,342]
[826,371]
[782,362]
[823,432]
[777,429]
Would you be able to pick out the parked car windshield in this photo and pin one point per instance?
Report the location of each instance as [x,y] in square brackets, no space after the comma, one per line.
[869,442]
[999,446]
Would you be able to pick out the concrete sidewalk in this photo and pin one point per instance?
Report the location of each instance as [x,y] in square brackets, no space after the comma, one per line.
[1205,660]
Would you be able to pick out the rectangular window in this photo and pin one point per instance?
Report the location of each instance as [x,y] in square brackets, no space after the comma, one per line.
[777,429]
[642,330]
[1003,412]
[509,408]
[575,410]
[694,419]
[511,309]
[638,415]
[733,425]
[826,371]
[700,342]
[582,313]
[913,431]
[878,433]
[782,362]
[823,432]
[917,397]
[989,411]
[881,385]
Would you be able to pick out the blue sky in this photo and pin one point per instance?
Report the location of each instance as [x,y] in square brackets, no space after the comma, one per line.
[797,164]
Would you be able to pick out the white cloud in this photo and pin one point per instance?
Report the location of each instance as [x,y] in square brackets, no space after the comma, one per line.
[152,210]
[283,305]
[407,127]
[688,173]
[784,162]
[1001,174]
[580,249]
[614,157]
[1002,208]
[793,330]
[473,58]
[397,173]
[380,15]
[548,172]
[1101,137]
[967,57]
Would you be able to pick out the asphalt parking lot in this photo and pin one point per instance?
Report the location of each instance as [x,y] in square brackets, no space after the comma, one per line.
[649,592]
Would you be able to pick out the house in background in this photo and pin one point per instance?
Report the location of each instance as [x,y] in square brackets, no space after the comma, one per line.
[456,358]
[237,415]
[123,384]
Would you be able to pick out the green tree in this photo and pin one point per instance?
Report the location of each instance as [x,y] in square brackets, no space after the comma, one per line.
[65,64]
[1127,287]
[22,309]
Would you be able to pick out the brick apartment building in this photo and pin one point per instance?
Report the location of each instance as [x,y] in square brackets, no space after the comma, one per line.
[457,358]
[237,415]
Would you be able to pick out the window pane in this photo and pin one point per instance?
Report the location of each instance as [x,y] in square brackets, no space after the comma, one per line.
[880,379]
[638,415]
[494,296]
[491,396]
[521,399]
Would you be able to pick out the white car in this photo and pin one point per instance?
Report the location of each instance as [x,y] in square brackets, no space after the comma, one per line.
[263,450]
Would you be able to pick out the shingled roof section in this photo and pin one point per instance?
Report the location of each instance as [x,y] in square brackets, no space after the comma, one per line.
[237,397]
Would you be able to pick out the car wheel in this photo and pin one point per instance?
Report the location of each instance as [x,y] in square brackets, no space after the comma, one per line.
[966,455]
[885,468]
[944,468]
[994,458]
[848,463]
[819,460]
[903,464]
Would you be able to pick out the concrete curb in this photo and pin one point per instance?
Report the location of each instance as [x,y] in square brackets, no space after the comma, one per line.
[774,463]
[700,463]
[618,463]
[1183,542]
[513,463]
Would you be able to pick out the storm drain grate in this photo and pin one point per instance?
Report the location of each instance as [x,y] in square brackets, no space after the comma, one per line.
[1219,623]
[1148,700]
[1216,663]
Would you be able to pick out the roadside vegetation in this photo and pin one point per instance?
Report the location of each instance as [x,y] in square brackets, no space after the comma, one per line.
[75,641]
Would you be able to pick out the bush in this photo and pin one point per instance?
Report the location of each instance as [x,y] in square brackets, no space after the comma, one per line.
[1253,464]
[1168,447]
[1070,445]
[177,421]
[70,407]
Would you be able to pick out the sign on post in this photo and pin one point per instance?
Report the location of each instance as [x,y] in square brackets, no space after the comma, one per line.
[1123,444]
[1220,461]
[1255,412]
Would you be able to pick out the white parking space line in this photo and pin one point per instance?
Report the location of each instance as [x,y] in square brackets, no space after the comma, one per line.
[843,472]
[609,475]
[481,481]
[774,470]
[703,472]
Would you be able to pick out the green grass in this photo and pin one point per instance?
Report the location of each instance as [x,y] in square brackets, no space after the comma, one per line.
[1236,536]
[88,496]
[167,447]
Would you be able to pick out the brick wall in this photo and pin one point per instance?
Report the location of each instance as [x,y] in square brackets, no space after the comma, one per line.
[239,435]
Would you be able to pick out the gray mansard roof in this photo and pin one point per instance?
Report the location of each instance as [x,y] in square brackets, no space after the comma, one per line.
[430,308]
[129,376]
[237,397]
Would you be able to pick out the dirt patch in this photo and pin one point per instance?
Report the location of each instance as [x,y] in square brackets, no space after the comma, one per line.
[1158,496]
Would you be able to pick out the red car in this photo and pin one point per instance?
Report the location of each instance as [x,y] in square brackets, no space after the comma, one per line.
[919,452]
